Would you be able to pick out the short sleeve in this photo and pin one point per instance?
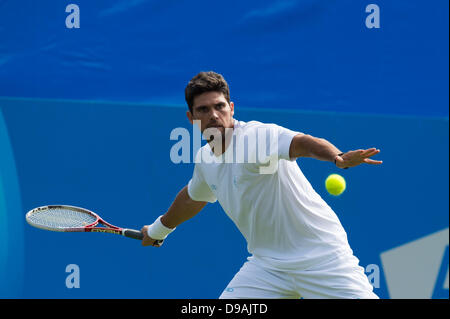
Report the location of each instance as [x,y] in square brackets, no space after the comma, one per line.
[285,137]
[198,189]
[277,142]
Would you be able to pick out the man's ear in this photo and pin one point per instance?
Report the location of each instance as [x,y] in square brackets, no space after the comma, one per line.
[232,108]
[189,115]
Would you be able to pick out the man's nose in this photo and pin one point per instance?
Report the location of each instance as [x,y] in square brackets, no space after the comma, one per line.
[214,115]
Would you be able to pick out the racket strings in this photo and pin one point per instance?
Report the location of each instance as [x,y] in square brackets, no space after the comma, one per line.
[60,218]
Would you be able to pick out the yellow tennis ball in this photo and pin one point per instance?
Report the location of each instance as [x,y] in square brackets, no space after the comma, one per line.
[335,184]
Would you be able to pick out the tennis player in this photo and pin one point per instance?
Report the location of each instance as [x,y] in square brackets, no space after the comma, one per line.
[297,244]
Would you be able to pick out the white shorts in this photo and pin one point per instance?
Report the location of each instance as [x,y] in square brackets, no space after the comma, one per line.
[341,278]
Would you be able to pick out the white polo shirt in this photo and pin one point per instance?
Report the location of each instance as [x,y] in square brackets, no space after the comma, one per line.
[287,225]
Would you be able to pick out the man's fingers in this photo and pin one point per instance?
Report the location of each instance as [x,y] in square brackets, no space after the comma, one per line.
[151,242]
[157,243]
[354,158]
[148,241]
[370,152]
[370,161]
[144,232]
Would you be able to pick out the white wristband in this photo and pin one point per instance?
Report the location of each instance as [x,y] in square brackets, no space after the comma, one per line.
[158,231]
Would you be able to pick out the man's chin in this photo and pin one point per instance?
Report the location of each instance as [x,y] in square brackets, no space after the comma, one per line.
[212,131]
[214,128]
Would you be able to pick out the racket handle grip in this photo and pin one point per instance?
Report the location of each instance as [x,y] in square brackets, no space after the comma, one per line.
[131,233]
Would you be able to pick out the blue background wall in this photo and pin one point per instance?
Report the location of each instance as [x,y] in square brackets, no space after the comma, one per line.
[86,115]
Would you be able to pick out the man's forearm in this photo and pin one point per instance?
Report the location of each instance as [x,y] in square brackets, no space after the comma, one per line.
[310,146]
[182,209]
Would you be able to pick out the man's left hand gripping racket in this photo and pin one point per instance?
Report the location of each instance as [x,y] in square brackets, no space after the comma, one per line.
[65,218]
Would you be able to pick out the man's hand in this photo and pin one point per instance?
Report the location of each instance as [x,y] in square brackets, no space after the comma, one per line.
[354,158]
[148,241]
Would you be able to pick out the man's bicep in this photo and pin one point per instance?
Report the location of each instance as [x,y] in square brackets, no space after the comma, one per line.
[297,147]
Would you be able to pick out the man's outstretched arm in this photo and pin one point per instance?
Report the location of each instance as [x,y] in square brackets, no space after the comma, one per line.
[182,209]
[304,145]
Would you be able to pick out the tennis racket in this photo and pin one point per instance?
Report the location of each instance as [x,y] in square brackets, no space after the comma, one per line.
[64,218]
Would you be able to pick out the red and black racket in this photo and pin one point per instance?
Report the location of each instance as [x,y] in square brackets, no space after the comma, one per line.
[65,218]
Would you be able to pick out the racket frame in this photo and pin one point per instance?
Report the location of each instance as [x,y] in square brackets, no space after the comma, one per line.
[111,229]
[88,228]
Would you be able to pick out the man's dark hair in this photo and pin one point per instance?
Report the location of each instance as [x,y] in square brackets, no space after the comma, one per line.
[206,82]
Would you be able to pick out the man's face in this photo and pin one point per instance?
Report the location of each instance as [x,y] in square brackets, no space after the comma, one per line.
[213,110]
